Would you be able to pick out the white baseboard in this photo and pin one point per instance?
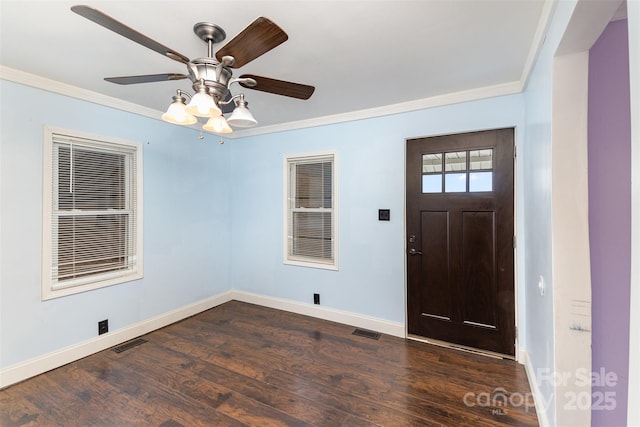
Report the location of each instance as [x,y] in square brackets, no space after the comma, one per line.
[541,410]
[32,367]
[38,365]
[338,316]
[521,355]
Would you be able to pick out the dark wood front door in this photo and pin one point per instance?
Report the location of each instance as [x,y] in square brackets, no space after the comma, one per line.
[460,226]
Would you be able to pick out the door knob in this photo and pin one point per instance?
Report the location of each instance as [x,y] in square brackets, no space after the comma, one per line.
[412,251]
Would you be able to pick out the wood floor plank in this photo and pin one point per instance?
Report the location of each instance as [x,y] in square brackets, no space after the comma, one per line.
[240,364]
[358,384]
[18,411]
[216,385]
[176,372]
[268,394]
[149,388]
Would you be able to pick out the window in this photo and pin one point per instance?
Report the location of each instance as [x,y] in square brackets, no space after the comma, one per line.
[92,222]
[310,211]
[464,172]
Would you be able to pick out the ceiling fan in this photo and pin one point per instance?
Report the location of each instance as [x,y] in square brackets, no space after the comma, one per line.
[211,76]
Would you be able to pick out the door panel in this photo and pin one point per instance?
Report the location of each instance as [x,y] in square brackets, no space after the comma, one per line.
[435,240]
[460,274]
[478,268]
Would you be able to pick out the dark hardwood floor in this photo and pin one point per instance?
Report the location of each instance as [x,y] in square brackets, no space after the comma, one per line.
[241,364]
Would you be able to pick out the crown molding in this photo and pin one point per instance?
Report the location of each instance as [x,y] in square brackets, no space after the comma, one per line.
[539,38]
[39,82]
[54,86]
[387,110]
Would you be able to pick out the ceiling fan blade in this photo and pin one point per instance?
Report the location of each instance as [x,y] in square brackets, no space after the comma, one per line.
[148,78]
[259,37]
[279,87]
[108,22]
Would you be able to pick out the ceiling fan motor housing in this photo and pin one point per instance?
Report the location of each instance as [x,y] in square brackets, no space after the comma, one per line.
[216,76]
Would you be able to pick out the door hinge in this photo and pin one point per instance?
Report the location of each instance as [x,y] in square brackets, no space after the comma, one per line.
[514,242]
[515,151]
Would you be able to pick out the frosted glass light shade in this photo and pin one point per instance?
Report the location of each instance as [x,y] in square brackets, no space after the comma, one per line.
[242,117]
[203,105]
[217,125]
[177,115]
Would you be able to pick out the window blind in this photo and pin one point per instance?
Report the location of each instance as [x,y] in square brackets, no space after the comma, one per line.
[310,217]
[93,210]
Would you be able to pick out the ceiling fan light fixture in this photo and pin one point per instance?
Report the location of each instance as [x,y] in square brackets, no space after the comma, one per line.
[217,124]
[177,114]
[211,75]
[203,105]
[241,116]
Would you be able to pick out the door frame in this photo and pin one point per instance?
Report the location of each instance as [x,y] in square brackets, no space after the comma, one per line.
[518,250]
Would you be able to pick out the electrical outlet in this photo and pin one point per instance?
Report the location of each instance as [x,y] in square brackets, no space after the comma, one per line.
[103,326]
[316,298]
[384,214]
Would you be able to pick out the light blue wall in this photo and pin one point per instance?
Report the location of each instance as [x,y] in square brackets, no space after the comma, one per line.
[186,223]
[538,208]
[213,216]
[371,176]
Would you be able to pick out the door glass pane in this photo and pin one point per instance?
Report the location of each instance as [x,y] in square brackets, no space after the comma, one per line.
[481,159]
[480,181]
[455,161]
[432,183]
[455,182]
[431,163]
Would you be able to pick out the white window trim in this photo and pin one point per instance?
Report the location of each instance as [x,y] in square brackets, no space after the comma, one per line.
[49,291]
[286,182]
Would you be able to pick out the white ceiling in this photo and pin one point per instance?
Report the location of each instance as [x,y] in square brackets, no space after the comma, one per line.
[359,55]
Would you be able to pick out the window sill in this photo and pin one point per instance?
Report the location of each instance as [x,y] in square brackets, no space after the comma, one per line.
[311,264]
[50,292]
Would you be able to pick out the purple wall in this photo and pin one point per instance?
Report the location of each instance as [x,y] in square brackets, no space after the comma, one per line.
[610,219]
